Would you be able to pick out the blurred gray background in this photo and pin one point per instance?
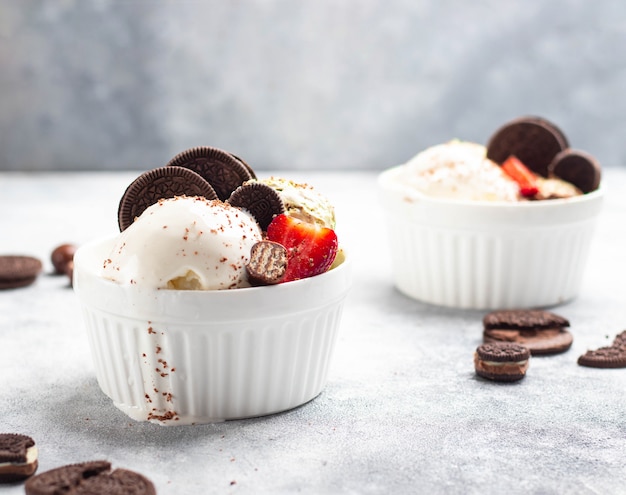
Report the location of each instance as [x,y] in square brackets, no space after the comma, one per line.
[324,84]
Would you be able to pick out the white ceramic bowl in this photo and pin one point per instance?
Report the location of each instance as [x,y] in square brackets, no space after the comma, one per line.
[487,255]
[190,357]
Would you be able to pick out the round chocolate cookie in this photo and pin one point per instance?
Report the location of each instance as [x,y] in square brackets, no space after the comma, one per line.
[260,200]
[578,168]
[89,478]
[18,271]
[504,362]
[523,319]
[542,332]
[605,357]
[225,172]
[18,457]
[533,140]
[248,167]
[156,184]
[539,342]
[268,263]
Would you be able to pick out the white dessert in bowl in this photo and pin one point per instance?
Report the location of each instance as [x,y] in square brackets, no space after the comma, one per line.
[483,249]
[177,333]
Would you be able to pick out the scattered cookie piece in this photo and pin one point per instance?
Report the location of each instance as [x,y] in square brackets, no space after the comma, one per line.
[542,332]
[260,200]
[533,140]
[160,183]
[61,257]
[224,171]
[613,356]
[503,362]
[18,457]
[89,478]
[268,263]
[18,271]
[578,168]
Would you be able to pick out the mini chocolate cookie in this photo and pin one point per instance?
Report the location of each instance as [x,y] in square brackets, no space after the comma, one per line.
[89,478]
[542,332]
[18,457]
[533,140]
[159,183]
[503,362]
[18,271]
[578,168]
[268,263]
[222,170]
[260,200]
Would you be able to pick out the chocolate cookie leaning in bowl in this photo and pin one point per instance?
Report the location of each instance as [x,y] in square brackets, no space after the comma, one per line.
[156,184]
[535,141]
[89,478]
[578,168]
[258,199]
[542,332]
[224,171]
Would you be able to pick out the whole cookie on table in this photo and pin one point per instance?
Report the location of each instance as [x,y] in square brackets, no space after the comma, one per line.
[542,332]
[156,184]
[89,478]
[501,361]
[18,271]
[18,457]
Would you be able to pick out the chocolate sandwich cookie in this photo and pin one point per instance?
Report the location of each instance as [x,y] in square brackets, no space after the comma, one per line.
[613,356]
[542,332]
[156,184]
[224,171]
[89,478]
[18,457]
[248,167]
[533,140]
[503,362]
[578,168]
[268,263]
[258,199]
[18,271]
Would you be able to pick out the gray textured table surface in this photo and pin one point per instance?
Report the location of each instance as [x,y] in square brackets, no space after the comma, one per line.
[402,412]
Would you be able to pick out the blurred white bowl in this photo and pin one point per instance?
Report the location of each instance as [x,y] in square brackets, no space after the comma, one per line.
[190,357]
[487,255]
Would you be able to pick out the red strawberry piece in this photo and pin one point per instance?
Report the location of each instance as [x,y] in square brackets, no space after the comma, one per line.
[311,249]
[521,174]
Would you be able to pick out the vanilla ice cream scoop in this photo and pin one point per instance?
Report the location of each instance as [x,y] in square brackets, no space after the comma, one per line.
[459,170]
[185,243]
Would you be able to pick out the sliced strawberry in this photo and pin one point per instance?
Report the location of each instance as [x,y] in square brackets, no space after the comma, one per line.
[526,180]
[311,249]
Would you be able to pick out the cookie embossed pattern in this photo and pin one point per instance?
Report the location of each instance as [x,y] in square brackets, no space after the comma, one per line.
[208,309]
[503,226]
